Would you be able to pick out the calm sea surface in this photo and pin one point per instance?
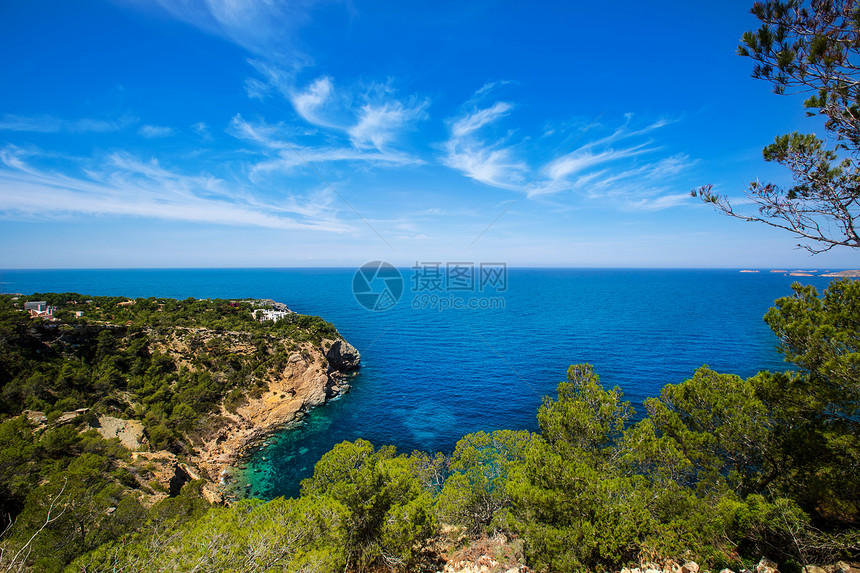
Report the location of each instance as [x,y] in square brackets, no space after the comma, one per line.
[430,376]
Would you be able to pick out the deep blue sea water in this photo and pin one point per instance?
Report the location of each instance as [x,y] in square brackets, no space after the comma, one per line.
[428,377]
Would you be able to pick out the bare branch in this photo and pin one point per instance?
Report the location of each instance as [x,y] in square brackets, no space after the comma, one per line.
[20,558]
[809,46]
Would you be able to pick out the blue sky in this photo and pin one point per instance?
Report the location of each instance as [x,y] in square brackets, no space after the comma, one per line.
[220,133]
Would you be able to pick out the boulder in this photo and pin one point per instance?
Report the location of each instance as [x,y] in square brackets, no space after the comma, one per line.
[690,567]
[342,356]
[765,565]
[35,417]
[129,432]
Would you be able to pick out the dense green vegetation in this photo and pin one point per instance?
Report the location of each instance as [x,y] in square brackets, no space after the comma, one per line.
[116,359]
[167,363]
[719,469]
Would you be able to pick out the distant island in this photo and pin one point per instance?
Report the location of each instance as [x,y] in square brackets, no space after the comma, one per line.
[810,273]
[840,274]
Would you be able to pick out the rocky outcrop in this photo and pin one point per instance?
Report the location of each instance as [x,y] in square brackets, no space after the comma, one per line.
[342,356]
[164,474]
[764,565]
[129,432]
[497,554]
[313,375]
[269,303]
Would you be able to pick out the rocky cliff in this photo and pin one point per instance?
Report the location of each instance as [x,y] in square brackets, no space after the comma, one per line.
[273,398]
[313,374]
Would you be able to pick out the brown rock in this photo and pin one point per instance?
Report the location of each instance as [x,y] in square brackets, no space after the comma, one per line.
[308,380]
[35,417]
[342,356]
[841,567]
[690,567]
[765,565]
[129,432]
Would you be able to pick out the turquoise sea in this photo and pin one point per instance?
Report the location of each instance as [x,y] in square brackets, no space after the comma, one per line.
[430,376]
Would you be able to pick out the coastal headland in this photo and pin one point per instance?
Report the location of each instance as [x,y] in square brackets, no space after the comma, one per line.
[194,385]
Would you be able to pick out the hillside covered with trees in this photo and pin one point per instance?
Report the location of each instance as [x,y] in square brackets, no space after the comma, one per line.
[177,370]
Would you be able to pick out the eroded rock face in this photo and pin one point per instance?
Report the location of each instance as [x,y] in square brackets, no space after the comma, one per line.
[342,356]
[765,565]
[129,432]
[312,376]
[168,474]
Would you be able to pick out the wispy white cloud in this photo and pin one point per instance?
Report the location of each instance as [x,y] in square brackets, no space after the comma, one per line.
[282,153]
[201,129]
[657,203]
[264,27]
[52,124]
[482,159]
[299,157]
[275,78]
[310,103]
[268,136]
[583,159]
[482,92]
[495,167]
[123,185]
[474,121]
[155,131]
[379,124]
[369,114]
[487,88]
[625,166]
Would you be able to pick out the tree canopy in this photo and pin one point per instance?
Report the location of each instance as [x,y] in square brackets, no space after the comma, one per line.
[809,47]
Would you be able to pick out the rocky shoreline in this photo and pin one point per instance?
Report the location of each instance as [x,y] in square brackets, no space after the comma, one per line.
[313,376]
